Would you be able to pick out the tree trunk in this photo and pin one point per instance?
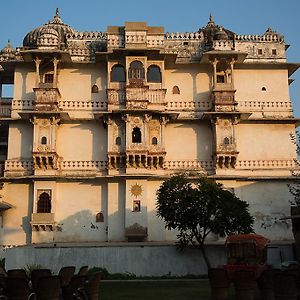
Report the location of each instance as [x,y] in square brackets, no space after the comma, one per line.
[203,251]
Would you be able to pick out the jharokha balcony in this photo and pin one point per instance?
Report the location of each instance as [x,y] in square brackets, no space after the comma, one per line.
[226,155]
[136,97]
[46,97]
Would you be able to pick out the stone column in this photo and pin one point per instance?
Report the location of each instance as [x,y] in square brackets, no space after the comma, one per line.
[215,71]
[231,67]
[37,71]
[55,63]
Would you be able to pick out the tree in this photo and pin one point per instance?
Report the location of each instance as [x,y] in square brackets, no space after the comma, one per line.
[199,208]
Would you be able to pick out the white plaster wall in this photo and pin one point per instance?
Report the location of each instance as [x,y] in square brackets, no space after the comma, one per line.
[188,141]
[116,210]
[77,204]
[249,82]
[268,201]
[20,140]
[82,141]
[193,82]
[75,82]
[24,82]
[265,141]
[16,228]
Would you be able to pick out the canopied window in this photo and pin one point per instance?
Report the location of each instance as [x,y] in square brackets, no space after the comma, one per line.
[95,89]
[44,203]
[44,140]
[154,74]
[136,71]
[136,135]
[175,90]
[117,73]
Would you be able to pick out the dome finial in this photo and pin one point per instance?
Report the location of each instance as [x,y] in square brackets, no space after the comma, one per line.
[57,12]
[211,18]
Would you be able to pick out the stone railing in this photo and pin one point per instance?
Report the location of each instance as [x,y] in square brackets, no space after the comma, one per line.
[63,105]
[184,36]
[188,164]
[189,105]
[115,41]
[83,166]
[82,105]
[92,35]
[227,147]
[18,167]
[155,96]
[265,105]
[266,164]
[223,45]
[259,38]
[135,38]
[155,41]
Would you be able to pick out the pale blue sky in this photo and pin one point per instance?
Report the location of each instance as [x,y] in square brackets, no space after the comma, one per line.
[242,17]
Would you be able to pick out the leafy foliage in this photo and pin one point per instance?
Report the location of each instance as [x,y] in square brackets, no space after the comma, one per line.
[197,209]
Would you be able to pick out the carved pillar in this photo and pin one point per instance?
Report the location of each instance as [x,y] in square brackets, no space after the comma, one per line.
[55,63]
[37,71]
[215,71]
[231,68]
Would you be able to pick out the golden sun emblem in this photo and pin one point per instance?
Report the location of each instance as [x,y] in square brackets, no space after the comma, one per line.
[136,190]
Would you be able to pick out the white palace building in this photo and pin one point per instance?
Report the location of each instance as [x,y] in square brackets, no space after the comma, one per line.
[98,120]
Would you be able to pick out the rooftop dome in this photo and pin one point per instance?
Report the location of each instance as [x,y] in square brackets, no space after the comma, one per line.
[221,34]
[55,28]
[8,52]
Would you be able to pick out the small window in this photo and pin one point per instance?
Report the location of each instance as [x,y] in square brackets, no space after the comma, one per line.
[263,88]
[259,51]
[274,52]
[185,43]
[226,141]
[100,217]
[95,89]
[176,90]
[136,206]
[44,140]
[220,79]
[154,74]
[117,73]
[49,78]
[154,140]
[118,141]
[44,203]
[136,135]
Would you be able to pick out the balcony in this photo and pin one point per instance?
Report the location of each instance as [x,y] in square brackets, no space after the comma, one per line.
[45,160]
[46,97]
[226,155]
[5,107]
[224,100]
[136,97]
[42,221]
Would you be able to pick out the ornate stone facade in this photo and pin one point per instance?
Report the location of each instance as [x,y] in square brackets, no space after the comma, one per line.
[99,119]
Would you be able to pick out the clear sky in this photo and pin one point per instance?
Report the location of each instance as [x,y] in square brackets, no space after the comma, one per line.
[242,17]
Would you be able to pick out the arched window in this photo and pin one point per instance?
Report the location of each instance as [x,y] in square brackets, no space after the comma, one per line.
[99,217]
[44,203]
[154,140]
[263,88]
[95,89]
[153,74]
[176,90]
[136,71]
[118,141]
[44,140]
[117,73]
[136,135]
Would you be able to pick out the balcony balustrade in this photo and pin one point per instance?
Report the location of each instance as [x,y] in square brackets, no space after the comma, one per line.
[46,97]
[42,221]
[5,107]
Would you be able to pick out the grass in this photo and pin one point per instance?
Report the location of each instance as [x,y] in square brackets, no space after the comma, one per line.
[160,289]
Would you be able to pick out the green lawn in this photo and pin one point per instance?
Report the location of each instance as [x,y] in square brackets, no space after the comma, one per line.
[157,290]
